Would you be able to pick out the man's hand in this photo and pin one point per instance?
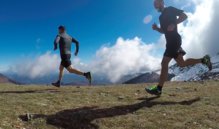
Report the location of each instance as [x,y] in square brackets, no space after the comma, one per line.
[76,53]
[55,47]
[154,26]
[171,27]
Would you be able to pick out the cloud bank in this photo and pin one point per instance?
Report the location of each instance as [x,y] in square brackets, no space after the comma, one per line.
[126,57]
[41,66]
[200,34]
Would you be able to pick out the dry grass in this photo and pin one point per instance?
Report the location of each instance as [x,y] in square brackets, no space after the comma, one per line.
[182,106]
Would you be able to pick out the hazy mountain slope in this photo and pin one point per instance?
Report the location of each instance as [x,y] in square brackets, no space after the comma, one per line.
[4,79]
[193,73]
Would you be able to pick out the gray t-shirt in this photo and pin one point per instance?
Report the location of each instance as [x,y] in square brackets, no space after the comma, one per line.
[65,42]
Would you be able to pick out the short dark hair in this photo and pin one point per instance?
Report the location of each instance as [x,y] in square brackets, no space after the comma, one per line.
[61,27]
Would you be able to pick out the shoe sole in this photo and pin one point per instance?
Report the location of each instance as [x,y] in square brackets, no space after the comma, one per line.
[210,67]
[90,79]
[148,91]
[56,86]
[209,64]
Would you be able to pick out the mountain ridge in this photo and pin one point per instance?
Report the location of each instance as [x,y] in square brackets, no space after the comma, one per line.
[5,79]
[197,72]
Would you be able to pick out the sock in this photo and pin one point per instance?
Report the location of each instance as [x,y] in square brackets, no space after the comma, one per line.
[159,88]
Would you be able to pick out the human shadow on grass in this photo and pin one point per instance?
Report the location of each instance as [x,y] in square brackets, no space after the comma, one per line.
[83,118]
[30,91]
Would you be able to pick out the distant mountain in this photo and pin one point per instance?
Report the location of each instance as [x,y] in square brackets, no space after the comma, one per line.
[27,80]
[128,77]
[68,80]
[150,77]
[196,73]
[144,78]
[193,73]
[4,79]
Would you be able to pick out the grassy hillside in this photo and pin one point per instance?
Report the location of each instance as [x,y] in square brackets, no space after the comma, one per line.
[182,106]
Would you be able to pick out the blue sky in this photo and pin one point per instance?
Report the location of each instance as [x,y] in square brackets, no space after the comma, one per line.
[28,28]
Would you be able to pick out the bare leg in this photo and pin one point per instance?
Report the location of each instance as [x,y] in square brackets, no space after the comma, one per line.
[86,75]
[183,63]
[164,70]
[72,70]
[61,72]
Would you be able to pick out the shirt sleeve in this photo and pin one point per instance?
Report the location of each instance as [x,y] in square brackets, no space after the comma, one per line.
[74,40]
[176,12]
[76,43]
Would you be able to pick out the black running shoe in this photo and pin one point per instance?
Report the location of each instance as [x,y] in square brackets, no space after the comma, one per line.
[88,77]
[153,90]
[207,61]
[57,84]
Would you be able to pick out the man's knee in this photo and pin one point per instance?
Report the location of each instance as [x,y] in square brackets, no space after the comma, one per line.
[61,68]
[69,69]
[164,64]
[181,64]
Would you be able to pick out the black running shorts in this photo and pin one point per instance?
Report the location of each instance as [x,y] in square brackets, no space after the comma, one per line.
[66,60]
[173,48]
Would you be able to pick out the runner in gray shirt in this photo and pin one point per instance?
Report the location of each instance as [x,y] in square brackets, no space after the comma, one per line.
[64,41]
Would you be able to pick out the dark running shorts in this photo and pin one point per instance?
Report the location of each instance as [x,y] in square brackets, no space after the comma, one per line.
[174,49]
[66,60]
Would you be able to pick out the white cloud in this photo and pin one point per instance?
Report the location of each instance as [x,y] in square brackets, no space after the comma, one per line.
[38,67]
[185,4]
[200,32]
[126,57]
[3,68]
[148,19]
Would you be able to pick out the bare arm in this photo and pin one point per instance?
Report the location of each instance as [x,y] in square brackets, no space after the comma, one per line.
[181,18]
[158,29]
[77,46]
[56,42]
